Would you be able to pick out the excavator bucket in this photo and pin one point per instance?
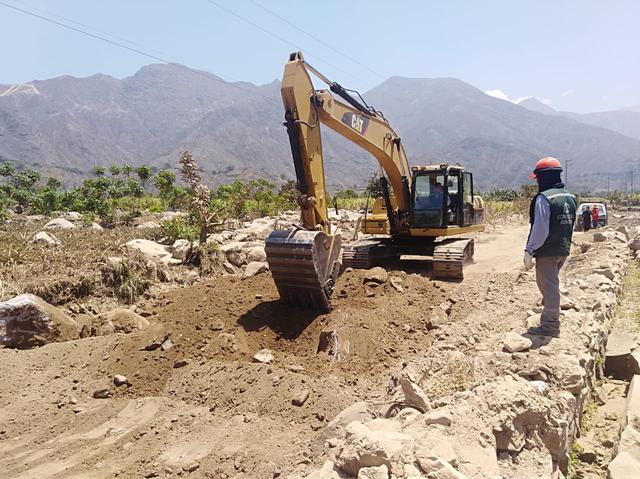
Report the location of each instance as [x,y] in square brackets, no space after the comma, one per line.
[304,265]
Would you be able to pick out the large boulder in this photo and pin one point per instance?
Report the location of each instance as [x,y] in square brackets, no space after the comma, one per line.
[27,321]
[152,250]
[72,216]
[623,466]
[365,447]
[148,224]
[59,224]
[254,268]
[619,360]
[45,238]
[256,253]
[181,248]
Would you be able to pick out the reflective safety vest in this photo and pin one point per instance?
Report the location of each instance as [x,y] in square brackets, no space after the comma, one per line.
[561,220]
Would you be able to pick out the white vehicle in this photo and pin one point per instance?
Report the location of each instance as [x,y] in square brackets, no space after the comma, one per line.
[602,216]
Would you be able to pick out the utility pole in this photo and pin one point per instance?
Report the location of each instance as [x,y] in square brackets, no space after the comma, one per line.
[566,173]
[608,185]
[632,181]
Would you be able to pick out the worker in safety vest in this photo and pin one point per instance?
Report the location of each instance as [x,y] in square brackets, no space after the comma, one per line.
[551,214]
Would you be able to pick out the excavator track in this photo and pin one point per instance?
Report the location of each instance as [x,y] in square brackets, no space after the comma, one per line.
[304,265]
[449,257]
[358,255]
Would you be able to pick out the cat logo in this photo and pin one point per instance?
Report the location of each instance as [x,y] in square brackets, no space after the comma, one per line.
[355,122]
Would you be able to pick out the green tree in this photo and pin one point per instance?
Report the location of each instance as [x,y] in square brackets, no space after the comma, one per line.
[7,169]
[127,170]
[53,183]
[164,181]
[115,170]
[99,171]
[144,173]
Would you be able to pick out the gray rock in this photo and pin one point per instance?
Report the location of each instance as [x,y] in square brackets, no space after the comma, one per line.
[152,250]
[619,362]
[121,321]
[236,258]
[45,238]
[514,343]
[634,244]
[119,380]
[102,393]
[59,224]
[379,472]
[376,275]
[264,356]
[180,248]
[254,268]
[438,416]
[625,231]
[623,466]
[300,397]
[364,447]
[148,224]
[257,253]
[166,345]
[72,216]
[27,321]
[599,237]
[414,396]
[437,318]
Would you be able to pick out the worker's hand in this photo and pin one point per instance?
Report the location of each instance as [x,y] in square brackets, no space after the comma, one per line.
[528,261]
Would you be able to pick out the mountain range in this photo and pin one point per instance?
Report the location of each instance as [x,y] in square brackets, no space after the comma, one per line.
[66,126]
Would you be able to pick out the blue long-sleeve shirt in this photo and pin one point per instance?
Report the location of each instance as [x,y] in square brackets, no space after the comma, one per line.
[540,228]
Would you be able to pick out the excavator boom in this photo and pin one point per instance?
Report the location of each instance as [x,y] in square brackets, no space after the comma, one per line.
[305,261]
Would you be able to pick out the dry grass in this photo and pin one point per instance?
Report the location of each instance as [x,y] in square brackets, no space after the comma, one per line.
[59,274]
[456,375]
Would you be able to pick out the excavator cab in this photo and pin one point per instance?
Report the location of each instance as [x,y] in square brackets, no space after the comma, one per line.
[442,197]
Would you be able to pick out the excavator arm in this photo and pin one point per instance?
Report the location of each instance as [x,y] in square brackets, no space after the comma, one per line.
[305,262]
[305,109]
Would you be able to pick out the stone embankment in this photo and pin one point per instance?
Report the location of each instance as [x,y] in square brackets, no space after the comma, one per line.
[487,401]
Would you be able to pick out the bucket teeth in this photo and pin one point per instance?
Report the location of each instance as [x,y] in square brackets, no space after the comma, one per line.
[304,265]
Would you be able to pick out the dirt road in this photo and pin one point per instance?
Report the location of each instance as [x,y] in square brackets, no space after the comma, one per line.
[203,408]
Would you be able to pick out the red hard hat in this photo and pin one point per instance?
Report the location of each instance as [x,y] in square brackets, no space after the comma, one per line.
[546,163]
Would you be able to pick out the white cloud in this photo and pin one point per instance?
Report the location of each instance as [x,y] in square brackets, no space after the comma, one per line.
[570,91]
[503,96]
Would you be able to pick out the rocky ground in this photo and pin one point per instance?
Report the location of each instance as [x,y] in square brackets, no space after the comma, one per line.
[408,377]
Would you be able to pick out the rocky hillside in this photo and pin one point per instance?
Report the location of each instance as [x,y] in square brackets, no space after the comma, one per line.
[448,120]
[69,125]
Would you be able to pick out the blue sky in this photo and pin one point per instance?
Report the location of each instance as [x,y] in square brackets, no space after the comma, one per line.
[578,55]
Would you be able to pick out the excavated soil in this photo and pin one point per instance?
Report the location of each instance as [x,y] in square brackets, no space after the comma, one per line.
[204,408]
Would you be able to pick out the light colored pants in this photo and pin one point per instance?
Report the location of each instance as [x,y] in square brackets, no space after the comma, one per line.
[547,277]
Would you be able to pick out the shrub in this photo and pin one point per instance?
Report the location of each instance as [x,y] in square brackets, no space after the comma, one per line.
[180,228]
[125,279]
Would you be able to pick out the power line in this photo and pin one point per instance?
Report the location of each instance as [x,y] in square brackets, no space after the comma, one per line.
[310,35]
[136,50]
[70,20]
[284,40]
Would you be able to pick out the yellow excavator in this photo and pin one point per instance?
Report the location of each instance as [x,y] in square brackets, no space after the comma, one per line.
[420,209]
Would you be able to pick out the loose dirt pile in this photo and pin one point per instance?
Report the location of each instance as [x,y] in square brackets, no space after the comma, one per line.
[184,396]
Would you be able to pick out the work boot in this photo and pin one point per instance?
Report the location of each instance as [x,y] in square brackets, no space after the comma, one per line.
[540,331]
